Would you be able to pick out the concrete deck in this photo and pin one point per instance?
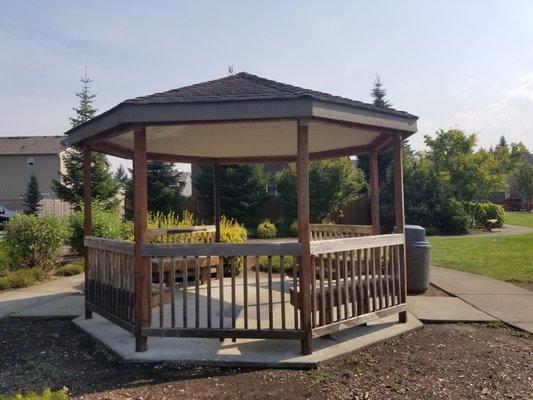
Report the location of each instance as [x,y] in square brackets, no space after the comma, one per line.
[244,352]
[509,303]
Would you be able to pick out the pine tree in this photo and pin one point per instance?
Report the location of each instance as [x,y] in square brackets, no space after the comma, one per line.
[243,191]
[502,143]
[32,198]
[378,93]
[70,187]
[163,193]
[121,176]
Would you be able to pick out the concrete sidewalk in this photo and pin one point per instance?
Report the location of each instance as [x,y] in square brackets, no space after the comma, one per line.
[57,298]
[502,300]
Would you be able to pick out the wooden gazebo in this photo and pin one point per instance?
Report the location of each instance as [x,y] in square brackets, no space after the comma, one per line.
[333,278]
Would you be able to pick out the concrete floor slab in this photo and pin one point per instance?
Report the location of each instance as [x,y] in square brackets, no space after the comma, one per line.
[251,352]
[445,309]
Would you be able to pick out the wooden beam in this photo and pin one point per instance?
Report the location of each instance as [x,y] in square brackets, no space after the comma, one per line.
[400,213]
[216,200]
[113,149]
[302,190]
[142,280]
[374,191]
[355,243]
[87,213]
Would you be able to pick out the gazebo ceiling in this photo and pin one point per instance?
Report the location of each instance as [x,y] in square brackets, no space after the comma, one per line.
[242,118]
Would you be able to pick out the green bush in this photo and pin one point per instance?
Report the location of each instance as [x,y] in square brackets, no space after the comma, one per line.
[485,211]
[73,268]
[266,230]
[105,224]
[34,242]
[293,229]
[21,278]
[3,256]
[288,264]
[47,394]
[232,232]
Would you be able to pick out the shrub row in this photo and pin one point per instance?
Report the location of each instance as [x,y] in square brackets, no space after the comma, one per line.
[21,278]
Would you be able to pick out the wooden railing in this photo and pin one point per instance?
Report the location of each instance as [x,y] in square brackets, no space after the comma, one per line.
[357,280]
[188,234]
[330,231]
[354,280]
[110,280]
[252,304]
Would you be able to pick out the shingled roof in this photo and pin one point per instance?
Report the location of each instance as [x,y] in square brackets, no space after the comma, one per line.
[245,86]
[27,145]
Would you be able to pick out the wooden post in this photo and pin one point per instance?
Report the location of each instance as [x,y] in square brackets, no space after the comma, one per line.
[374,191]
[302,189]
[399,212]
[141,271]
[216,200]
[87,214]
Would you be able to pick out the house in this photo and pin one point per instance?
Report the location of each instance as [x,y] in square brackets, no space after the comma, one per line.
[22,155]
[184,182]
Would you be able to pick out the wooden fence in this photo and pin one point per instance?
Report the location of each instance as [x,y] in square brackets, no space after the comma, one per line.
[48,206]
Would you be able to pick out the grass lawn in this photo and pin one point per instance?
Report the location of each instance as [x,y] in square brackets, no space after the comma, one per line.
[507,258]
[519,218]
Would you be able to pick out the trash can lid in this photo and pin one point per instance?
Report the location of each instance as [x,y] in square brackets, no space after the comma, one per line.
[414,233]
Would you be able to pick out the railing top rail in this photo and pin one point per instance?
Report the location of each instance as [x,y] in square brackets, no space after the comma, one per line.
[117,246]
[341,228]
[357,243]
[181,229]
[221,249]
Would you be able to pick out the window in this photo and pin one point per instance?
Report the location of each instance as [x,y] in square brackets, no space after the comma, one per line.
[31,161]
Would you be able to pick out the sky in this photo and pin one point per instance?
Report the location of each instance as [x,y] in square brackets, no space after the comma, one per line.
[465,64]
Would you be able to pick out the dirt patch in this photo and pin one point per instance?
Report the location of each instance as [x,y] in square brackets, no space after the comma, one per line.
[523,285]
[433,291]
[437,361]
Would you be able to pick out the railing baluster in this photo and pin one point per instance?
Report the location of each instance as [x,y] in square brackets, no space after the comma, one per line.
[270,298]
[209,292]
[330,289]
[161,292]
[353,284]
[322,312]
[233,299]
[184,292]
[245,290]
[257,294]
[197,292]
[221,291]
[313,291]
[282,288]
[386,271]
[338,286]
[295,290]
[393,273]
[346,286]
[172,285]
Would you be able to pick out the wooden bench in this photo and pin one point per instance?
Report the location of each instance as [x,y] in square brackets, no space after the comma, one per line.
[490,223]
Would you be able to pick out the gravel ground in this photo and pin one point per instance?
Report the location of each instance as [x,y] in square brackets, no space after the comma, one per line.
[435,362]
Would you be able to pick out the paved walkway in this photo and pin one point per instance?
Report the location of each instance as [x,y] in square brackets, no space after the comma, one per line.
[57,298]
[507,230]
[501,300]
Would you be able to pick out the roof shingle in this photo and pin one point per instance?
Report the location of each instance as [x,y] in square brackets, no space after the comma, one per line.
[245,86]
[22,145]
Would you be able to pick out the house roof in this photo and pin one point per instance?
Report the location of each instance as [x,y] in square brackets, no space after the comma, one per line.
[245,86]
[29,145]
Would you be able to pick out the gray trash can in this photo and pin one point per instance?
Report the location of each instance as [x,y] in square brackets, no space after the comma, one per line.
[418,259]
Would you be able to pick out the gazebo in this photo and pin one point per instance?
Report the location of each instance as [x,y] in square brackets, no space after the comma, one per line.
[334,277]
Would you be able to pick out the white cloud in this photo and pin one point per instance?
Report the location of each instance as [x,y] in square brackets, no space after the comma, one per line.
[511,114]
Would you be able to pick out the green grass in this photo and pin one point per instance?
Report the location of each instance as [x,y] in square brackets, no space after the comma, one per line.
[507,258]
[519,218]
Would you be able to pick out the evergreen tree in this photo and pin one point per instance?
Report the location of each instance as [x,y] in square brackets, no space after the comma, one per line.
[378,93]
[163,193]
[70,187]
[243,191]
[502,143]
[32,198]
[121,176]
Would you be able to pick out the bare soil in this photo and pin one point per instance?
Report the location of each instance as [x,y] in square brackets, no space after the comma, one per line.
[434,362]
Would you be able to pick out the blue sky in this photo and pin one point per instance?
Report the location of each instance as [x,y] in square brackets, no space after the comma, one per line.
[455,63]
